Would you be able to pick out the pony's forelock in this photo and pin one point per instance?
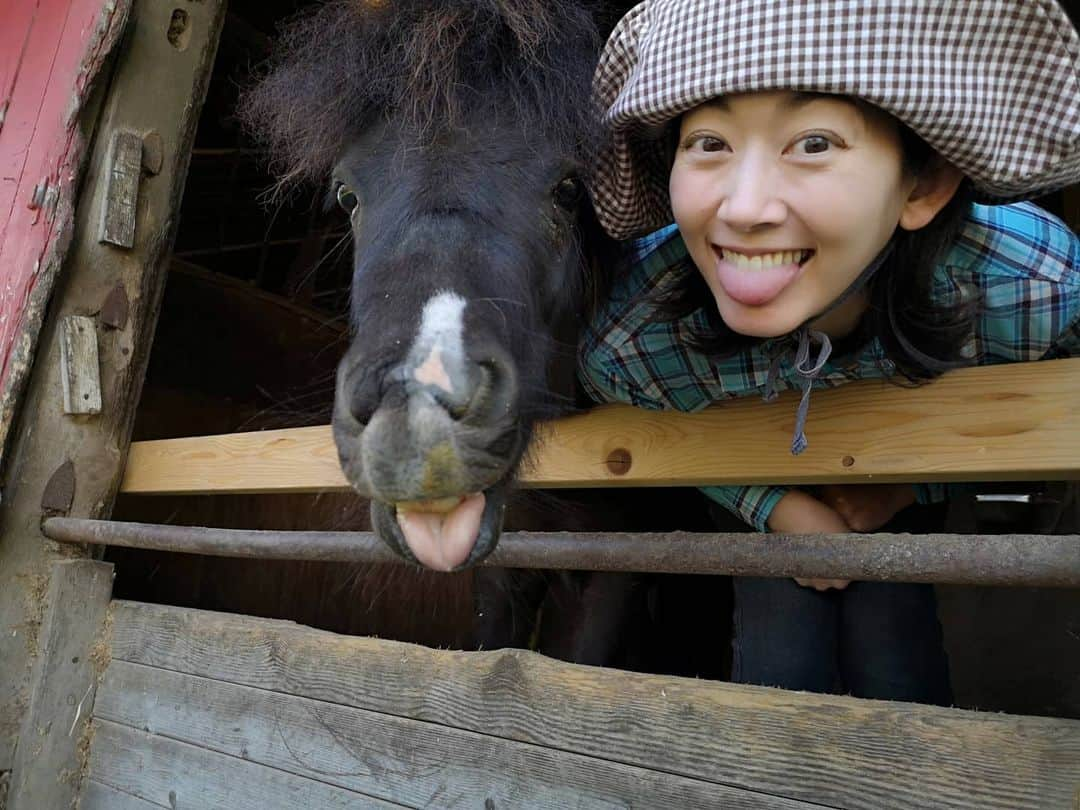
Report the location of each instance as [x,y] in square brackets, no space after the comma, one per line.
[427,64]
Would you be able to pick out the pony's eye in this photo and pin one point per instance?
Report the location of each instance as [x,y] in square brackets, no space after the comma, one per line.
[568,192]
[347,199]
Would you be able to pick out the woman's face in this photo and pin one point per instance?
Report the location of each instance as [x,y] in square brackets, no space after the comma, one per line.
[783,199]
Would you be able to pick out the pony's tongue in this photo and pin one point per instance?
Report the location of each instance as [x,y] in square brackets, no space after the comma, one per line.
[442,539]
[755,287]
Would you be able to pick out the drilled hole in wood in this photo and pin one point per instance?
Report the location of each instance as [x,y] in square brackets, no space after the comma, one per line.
[847,461]
[179,32]
[619,461]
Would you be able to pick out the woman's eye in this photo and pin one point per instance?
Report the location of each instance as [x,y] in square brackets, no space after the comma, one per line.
[814,145]
[707,143]
[347,199]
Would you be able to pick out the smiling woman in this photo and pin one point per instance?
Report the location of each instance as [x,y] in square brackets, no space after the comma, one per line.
[824,232]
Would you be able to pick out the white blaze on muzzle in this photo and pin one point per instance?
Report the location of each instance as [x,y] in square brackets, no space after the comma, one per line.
[437,356]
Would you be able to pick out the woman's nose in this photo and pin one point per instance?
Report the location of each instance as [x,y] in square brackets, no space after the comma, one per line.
[751,197]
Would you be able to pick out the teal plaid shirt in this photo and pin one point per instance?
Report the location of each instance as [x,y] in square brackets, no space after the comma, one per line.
[1025,262]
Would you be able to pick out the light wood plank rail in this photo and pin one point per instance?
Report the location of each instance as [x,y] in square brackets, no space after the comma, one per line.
[1014,422]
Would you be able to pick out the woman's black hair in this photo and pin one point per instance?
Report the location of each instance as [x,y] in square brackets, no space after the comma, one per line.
[919,335]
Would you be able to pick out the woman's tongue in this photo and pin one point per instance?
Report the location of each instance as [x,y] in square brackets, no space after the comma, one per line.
[442,539]
[754,286]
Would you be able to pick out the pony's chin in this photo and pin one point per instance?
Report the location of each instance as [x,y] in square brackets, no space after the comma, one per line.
[384,521]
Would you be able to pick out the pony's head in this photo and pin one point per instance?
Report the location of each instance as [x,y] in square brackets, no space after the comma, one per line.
[454,134]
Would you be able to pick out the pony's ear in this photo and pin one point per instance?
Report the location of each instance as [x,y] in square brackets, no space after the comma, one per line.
[933,189]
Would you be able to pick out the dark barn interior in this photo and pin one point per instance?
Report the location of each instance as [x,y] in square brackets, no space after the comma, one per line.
[252,326]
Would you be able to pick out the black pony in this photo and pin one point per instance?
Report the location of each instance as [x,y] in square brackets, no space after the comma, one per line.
[454,133]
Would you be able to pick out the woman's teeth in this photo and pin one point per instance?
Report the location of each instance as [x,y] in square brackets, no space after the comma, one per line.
[765,261]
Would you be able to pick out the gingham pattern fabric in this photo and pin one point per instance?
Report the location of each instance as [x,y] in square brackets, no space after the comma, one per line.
[1023,261]
[992,85]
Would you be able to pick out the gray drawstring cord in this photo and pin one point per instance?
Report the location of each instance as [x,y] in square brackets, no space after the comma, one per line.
[805,371]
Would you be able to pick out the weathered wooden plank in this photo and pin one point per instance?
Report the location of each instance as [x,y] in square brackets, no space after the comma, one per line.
[48,767]
[80,377]
[179,775]
[831,750]
[1012,423]
[413,762]
[1011,559]
[96,796]
[121,190]
[51,52]
[153,88]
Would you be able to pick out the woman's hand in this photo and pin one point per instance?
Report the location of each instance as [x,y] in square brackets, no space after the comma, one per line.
[799,513]
[867,507]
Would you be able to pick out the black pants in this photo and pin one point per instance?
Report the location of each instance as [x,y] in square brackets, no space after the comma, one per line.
[872,639]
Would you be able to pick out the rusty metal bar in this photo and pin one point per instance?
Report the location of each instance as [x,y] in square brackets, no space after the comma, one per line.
[1015,559]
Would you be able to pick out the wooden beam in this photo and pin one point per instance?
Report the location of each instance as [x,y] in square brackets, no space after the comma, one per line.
[153,86]
[830,750]
[48,762]
[1010,423]
[1030,560]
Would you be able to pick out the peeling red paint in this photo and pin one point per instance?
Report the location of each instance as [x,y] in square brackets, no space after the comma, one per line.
[50,51]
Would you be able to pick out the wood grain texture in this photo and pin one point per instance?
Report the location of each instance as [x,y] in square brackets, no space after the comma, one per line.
[96,796]
[80,377]
[831,750]
[1015,422]
[181,776]
[122,190]
[417,763]
[47,768]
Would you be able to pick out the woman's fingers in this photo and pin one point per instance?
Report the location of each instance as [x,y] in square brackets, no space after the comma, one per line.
[823,584]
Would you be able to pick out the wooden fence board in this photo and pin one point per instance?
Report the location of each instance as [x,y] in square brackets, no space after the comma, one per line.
[398,759]
[48,767]
[97,796]
[1011,423]
[179,775]
[831,750]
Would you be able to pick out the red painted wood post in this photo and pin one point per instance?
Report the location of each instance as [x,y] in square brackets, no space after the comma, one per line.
[50,51]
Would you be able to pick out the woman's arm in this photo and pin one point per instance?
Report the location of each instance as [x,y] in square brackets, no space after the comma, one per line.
[867,507]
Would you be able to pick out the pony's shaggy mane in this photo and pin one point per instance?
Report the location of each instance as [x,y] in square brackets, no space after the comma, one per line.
[427,64]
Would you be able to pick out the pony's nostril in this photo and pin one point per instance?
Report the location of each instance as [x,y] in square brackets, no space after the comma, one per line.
[457,407]
[362,405]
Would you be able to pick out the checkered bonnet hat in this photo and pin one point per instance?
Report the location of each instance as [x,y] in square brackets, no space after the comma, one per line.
[992,85]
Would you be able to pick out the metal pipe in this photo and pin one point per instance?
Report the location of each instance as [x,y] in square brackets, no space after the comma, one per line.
[1025,559]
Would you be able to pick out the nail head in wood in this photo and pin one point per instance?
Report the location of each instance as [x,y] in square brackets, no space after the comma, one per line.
[59,492]
[80,376]
[122,190]
[619,461]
